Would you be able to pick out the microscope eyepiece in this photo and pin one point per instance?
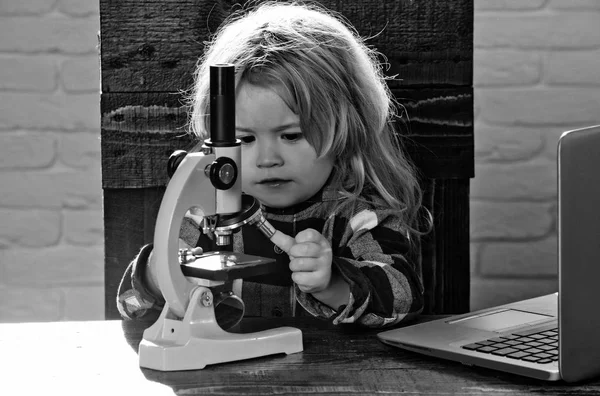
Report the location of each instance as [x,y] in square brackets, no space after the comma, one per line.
[222,105]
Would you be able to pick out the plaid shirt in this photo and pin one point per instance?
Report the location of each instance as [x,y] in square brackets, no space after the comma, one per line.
[371,251]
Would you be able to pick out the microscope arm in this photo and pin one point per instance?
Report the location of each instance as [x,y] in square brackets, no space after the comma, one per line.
[188,186]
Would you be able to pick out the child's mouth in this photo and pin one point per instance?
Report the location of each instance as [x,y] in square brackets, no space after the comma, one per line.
[273,183]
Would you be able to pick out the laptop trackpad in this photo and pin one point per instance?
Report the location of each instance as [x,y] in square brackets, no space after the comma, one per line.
[500,320]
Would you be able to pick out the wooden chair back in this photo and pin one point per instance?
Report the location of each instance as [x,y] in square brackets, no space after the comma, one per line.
[149,50]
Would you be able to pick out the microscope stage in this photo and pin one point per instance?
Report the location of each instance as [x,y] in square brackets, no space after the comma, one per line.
[226,266]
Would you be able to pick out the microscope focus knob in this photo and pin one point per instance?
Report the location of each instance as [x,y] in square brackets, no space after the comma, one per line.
[174,161]
[223,173]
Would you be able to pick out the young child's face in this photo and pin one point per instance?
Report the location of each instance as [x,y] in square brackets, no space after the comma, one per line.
[279,167]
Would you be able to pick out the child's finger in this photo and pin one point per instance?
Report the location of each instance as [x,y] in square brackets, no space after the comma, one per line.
[303,265]
[284,242]
[305,280]
[306,249]
[309,235]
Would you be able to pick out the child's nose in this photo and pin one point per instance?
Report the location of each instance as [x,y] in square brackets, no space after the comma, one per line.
[268,156]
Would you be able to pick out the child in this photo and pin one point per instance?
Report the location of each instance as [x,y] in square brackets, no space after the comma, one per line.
[319,153]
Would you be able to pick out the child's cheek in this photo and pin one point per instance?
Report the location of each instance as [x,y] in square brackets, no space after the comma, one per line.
[246,175]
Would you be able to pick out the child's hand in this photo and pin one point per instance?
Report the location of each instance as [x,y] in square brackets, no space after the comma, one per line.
[310,259]
[310,262]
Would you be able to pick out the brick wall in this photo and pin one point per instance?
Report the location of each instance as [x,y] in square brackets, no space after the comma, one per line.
[537,73]
[51,229]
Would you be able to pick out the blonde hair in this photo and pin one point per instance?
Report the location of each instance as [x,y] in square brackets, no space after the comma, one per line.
[326,74]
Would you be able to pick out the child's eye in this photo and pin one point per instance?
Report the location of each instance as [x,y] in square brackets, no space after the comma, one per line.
[292,137]
[246,139]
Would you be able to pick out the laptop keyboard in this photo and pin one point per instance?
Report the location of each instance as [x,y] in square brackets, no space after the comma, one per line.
[538,345]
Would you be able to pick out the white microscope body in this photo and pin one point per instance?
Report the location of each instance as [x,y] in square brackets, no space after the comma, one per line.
[187,336]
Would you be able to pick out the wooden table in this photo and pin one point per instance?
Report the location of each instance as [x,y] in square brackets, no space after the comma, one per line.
[100,357]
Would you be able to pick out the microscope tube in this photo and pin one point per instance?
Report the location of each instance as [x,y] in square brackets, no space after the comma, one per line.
[222,105]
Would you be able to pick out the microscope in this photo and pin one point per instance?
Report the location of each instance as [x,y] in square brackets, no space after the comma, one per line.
[207,183]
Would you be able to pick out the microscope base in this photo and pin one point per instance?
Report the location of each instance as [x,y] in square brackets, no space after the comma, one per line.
[197,340]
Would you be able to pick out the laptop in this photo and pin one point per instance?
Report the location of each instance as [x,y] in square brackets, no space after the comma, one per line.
[552,337]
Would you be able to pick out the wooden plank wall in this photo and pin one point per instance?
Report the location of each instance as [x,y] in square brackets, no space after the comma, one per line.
[148,52]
